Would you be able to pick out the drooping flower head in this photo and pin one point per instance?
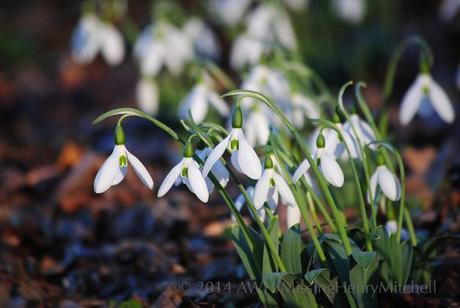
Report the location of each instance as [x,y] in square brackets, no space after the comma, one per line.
[147,95]
[328,165]
[114,169]
[92,36]
[243,156]
[269,186]
[188,172]
[423,94]
[199,98]
[384,179]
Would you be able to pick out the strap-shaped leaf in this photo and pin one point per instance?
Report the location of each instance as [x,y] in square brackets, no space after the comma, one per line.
[291,250]
[364,258]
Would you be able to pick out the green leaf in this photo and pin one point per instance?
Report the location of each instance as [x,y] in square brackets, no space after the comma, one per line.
[322,278]
[364,258]
[291,250]
[273,280]
[361,280]
[268,262]
[247,255]
[312,275]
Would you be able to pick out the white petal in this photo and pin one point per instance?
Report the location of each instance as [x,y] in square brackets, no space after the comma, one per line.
[292,215]
[110,172]
[147,96]
[283,189]
[441,102]
[197,182]
[196,102]
[85,42]
[169,180]
[216,153]
[152,62]
[248,161]
[113,48]
[140,170]
[301,170]
[331,170]
[411,101]
[261,189]
[389,184]
[273,198]
[221,173]
[391,226]
[373,186]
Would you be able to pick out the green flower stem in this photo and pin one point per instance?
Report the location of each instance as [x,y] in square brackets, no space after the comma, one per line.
[274,250]
[362,203]
[320,205]
[370,119]
[127,112]
[302,207]
[410,228]
[361,149]
[321,181]
[402,175]
[426,53]
[310,193]
[311,207]
[388,161]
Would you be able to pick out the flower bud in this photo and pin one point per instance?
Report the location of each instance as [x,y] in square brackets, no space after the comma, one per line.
[320,142]
[119,135]
[188,150]
[237,118]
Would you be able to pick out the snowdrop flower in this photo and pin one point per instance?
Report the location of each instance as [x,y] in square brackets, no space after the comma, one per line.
[198,100]
[112,45]
[229,12]
[271,24]
[271,82]
[188,172]
[303,107]
[392,227]
[92,36]
[425,88]
[85,39]
[114,169]
[257,128]
[271,183]
[218,170]
[203,39]
[161,45]
[147,95]
[243,156]
[328,166]
[386,181]
[360,131]
[246,51]
[449,9]
[351,11]
[334,144]
[240,201]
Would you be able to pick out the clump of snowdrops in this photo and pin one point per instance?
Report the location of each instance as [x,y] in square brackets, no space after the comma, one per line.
[307,180]
[318,255]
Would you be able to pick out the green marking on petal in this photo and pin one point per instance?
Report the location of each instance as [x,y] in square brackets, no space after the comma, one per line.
[184,172]
[234,145]
[426,90]
[272,183]
[123,161]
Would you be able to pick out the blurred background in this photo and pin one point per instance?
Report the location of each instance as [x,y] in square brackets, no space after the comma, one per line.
[62,244]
